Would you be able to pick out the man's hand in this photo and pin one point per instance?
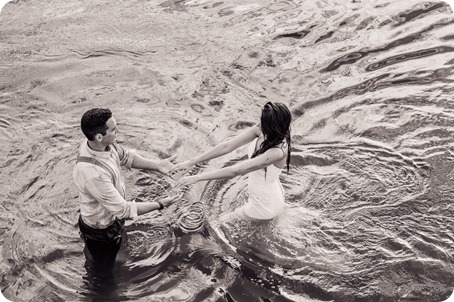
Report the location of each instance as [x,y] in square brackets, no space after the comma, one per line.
[166,165]
[182,167]
[169,200]
[186,181]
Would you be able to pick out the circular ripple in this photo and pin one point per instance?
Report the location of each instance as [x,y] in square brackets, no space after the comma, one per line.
[190,218]
[334,192]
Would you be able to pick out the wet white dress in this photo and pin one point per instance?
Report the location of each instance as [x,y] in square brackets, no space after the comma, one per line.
[266,194]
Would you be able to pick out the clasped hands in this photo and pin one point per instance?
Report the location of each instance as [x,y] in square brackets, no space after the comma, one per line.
[177,171]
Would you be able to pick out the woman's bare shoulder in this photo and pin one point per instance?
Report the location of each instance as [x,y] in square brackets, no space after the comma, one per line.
[257,128]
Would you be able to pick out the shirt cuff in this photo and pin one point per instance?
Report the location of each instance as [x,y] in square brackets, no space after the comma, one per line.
[132,209]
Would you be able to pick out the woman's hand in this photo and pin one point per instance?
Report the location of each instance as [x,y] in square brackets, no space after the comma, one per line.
[186,181]
[169,200]
[181,168]
[166,165]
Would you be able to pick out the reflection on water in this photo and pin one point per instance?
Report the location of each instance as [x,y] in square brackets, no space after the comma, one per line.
[369,195]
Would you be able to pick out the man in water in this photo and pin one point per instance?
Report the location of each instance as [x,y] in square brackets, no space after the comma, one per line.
[97,176]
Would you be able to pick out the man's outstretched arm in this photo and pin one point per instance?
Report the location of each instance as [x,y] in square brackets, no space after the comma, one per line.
[163,166]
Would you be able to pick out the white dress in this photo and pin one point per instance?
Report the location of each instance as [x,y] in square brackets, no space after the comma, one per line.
[266,194]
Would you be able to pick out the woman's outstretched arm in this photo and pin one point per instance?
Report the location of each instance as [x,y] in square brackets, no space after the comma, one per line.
[268,158]
[222,148]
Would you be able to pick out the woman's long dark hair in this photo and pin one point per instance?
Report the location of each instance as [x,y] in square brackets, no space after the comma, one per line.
[275,123]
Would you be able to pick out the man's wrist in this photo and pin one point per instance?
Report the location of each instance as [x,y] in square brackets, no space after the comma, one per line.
[161,205]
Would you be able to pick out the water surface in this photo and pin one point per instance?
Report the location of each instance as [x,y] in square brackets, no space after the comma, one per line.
[369,212]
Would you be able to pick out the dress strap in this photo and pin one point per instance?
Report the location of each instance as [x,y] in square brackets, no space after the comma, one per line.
[256,141]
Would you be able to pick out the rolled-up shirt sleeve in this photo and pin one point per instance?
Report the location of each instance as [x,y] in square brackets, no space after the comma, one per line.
[126,156]
[107,195]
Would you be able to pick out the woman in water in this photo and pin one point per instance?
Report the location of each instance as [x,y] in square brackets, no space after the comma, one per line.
[269,153]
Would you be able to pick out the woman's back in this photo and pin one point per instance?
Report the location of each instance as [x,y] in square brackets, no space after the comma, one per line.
[266,195]
[272,172]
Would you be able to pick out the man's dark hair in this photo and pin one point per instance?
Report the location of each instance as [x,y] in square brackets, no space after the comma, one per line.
[94,121]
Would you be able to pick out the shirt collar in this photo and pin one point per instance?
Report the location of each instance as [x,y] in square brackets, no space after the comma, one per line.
[101,154]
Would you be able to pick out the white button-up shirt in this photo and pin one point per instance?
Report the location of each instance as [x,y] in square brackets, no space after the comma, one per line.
[101,201]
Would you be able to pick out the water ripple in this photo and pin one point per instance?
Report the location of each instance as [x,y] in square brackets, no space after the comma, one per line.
[369,195]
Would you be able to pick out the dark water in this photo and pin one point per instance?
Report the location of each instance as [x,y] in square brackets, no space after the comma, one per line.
[370,195]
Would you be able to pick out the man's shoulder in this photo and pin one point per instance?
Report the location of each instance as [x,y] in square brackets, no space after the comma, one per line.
[84,173]
[118,148]
[82,148]
[87,169]
[124,154]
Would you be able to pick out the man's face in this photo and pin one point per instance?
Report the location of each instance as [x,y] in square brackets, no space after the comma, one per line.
[111,132]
